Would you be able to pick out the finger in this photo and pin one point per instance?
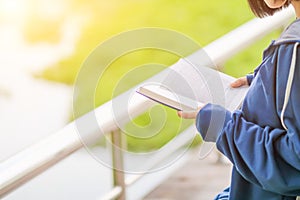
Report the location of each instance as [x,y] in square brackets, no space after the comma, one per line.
[179,113]
[239,82]
[236,83]
[187,115]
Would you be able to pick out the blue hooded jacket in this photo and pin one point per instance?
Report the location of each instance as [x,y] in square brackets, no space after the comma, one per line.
[262,139]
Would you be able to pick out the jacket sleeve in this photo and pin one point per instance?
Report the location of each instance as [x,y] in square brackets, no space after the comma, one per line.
[251,148]
[262,155]
[266,156]
[251,76]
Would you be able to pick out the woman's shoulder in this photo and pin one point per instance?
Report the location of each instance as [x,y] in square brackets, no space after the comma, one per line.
[290,35]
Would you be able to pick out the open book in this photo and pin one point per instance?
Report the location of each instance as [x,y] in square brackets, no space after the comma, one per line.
[186,87]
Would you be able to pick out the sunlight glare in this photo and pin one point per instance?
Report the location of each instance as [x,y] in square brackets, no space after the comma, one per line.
[13,9]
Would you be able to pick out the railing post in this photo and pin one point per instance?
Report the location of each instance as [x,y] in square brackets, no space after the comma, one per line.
[118,163]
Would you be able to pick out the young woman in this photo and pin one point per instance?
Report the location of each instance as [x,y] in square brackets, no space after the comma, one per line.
[262,139]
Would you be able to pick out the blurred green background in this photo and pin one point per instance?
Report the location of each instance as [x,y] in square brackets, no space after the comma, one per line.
[99,20]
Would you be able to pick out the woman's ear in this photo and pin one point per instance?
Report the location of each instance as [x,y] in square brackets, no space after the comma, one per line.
[275,3]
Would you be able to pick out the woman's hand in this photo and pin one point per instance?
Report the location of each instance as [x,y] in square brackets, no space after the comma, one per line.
[239,82]
[193,114]
[189,114]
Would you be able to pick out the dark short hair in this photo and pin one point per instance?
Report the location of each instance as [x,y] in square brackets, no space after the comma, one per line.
[260,8]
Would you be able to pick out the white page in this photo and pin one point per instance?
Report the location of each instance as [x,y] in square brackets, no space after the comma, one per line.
[203,84]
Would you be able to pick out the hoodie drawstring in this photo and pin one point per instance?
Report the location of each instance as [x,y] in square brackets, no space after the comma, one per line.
[289,84]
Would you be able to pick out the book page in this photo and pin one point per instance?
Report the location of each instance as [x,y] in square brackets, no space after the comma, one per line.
[203,84]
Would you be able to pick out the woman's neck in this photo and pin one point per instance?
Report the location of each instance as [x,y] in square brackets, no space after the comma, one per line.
[296,5]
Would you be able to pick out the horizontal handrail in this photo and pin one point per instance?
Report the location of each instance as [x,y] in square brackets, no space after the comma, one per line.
[228,45]
[25,165]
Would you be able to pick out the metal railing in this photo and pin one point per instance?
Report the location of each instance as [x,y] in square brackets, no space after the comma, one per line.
[34,160]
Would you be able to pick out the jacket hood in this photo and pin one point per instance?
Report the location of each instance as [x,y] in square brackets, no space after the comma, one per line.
[291,33]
